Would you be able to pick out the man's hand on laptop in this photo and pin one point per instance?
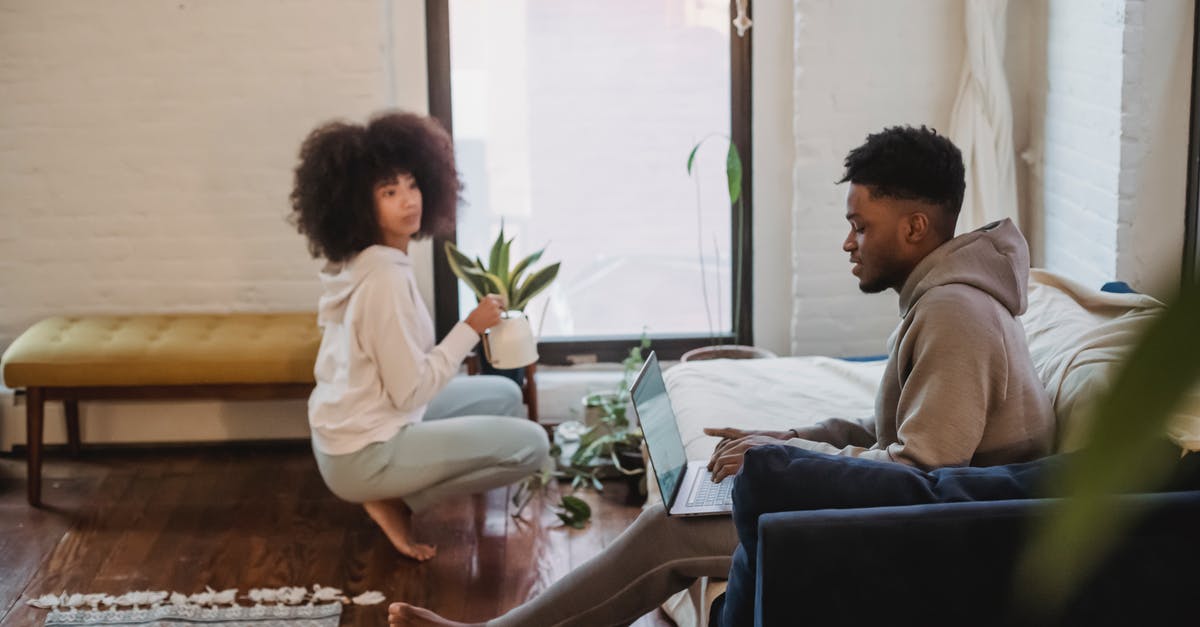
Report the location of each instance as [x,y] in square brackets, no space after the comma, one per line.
[727,458]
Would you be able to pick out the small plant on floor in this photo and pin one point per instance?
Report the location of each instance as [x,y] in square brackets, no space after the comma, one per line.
[601,449]
[612,437]
[573,511]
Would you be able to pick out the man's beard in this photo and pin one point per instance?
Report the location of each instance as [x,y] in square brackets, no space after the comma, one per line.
[882,281]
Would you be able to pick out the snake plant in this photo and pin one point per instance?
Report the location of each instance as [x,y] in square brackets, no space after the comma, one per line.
[514,283]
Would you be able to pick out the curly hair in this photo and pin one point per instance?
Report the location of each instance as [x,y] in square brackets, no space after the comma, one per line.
[341,163]
[910,164]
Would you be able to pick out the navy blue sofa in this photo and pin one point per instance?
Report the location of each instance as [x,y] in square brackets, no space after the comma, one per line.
[949,560]
[952,564]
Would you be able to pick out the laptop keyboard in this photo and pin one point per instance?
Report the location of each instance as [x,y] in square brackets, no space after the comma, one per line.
[706,493]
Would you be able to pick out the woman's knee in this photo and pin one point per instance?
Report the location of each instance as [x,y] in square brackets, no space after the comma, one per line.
[529,443]
[503,394]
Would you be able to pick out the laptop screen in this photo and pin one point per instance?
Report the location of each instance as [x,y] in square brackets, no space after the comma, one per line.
[653,408]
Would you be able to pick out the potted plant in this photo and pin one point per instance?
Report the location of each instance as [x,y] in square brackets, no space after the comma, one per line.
[733,180]
[611,445]
[516,283]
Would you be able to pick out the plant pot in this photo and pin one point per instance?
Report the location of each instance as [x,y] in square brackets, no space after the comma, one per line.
[516,374]
[635,493]
[727,351]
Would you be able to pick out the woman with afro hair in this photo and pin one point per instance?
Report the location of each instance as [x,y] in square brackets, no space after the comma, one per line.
[393,428]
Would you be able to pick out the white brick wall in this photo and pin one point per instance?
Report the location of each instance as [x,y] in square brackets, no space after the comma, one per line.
[1156,97]
[1080,105]
[856,72]
[1110,140]
[146,147]
[146,150]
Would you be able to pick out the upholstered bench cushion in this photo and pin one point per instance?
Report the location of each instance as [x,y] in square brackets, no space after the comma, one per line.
[169,349]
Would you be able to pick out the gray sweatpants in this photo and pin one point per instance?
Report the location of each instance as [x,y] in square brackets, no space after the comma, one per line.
[474,437]
[652,559]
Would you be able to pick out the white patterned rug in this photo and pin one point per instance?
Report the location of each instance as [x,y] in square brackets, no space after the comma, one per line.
[272,607]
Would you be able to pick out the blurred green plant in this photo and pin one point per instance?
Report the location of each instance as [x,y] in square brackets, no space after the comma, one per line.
[1123,454]
[498,277]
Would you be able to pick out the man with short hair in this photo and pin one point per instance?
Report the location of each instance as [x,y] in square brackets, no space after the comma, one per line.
[959,387]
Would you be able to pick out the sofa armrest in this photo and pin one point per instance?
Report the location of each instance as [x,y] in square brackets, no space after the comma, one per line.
[953,563]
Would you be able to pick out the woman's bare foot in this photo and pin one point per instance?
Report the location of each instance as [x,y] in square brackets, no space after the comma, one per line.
[395,518]
[409,616]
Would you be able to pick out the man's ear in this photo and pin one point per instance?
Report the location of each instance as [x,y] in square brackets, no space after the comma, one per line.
[917,227]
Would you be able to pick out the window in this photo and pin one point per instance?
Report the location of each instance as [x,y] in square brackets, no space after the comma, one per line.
[573,121]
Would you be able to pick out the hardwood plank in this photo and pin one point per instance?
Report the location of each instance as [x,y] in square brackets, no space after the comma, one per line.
[241,517]
[449,526]
[28,535]
[485,583]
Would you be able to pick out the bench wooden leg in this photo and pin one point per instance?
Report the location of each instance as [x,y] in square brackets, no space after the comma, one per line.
[34,402]
[71,411]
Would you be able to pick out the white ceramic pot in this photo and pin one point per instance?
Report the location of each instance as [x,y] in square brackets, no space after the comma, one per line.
[510,344]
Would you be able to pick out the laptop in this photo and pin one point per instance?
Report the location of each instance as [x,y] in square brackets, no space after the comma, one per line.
[686,487]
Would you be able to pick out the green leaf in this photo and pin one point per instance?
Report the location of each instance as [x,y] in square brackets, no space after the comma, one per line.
[492,283]
[575,512]
[733,167]
[692,155]
[463,268]
[1123,454]
[521,266]
[584,455]
[494,256]
[501,270]
[536,282]
[733,173]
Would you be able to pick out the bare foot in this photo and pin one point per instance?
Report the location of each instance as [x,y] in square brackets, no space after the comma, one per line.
[395,518]
[409,616]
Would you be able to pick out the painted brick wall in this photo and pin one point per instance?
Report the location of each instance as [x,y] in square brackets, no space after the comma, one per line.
[856,72]
[1155,97]
[1080,105]
[1110,140]
[146,150]
[146,147]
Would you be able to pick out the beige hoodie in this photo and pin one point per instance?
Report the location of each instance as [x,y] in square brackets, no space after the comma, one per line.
[959,387]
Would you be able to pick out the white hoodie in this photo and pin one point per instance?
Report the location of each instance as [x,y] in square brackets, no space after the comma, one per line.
[378,366]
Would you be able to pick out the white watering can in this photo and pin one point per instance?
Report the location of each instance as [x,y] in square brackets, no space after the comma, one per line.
[510,344]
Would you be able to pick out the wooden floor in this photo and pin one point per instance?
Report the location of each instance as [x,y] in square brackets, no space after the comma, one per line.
[261,517]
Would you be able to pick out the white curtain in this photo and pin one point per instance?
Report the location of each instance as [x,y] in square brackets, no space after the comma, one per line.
[981,124]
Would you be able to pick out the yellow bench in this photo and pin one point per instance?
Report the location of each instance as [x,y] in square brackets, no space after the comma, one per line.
[243,356]
[238,356]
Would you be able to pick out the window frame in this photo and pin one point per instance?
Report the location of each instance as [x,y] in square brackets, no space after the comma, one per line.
[589,349]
